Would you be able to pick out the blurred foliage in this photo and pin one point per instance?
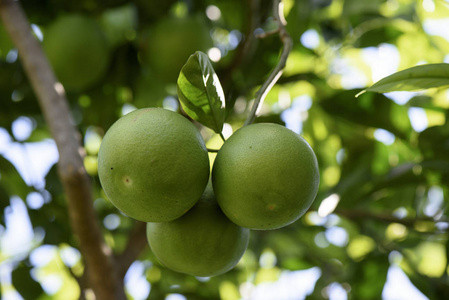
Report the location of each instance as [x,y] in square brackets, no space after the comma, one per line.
[384,190]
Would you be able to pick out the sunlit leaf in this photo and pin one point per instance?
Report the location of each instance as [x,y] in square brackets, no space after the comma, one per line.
[200,92]
[413,79]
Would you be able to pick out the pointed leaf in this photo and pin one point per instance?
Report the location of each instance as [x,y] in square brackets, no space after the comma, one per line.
[200,92]
[412,79]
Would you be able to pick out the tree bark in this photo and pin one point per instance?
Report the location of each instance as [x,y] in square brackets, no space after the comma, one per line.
[98,258]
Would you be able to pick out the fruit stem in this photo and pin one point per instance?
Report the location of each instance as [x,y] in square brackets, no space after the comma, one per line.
[278,11]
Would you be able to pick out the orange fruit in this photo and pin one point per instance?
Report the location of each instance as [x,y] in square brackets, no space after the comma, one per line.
[265,176]
[203,242]
[168,44]
[153,164]
[77,50]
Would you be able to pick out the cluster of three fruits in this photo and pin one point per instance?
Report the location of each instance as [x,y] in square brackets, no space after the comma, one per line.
[153,166]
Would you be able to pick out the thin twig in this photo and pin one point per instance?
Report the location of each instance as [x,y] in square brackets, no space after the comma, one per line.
[243,51]
[277,71]
[137,242]
[384,217]
[266,34]
[76,182]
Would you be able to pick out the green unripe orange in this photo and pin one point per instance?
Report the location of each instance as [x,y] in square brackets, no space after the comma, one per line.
[153,165]
[265,176]
[169,43]
[77,50]
[203,242]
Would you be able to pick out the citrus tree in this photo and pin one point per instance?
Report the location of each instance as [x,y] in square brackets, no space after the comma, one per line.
[224,149]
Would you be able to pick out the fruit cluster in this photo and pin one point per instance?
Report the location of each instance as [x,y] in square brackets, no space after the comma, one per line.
[154,166]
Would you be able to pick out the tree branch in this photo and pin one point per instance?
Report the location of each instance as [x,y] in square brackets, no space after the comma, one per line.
[383,217]
[244,50]
[244,47]
[277,71]
[137,242]
[50,93]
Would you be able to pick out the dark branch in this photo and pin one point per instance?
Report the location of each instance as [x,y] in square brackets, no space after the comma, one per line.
[277,71]
[243,50]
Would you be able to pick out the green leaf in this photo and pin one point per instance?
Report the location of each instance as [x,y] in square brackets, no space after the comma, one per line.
[200,92]
[365,111]
[24,283]
[11,180]
[369,278]
[413,79]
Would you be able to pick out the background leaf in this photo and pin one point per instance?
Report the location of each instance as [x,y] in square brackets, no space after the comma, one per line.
[200,92]
[365,111]
[11,180]
[415,78]
[22,280]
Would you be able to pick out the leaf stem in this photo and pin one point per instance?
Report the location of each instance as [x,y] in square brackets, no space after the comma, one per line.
[277,71]
[222,137]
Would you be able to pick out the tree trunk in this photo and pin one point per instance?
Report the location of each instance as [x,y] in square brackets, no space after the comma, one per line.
[98,258]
